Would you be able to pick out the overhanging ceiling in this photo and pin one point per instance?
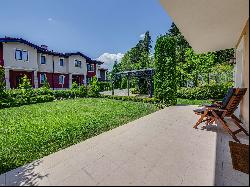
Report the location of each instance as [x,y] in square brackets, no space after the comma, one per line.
[209,25]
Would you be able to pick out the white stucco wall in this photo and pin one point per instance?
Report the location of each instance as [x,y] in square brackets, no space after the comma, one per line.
[61,69]
[48,67]
[10,62]
[77,70]
[242,74]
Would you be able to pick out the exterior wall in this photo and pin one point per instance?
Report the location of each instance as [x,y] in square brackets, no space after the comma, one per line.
[61,69]
[242,73]
[48,67]
[103,75]
[13,75]
[79,79]
[53,80]
[98,75]
[77,70]
[10,61]
[92,73]
[245,79]
[1,55]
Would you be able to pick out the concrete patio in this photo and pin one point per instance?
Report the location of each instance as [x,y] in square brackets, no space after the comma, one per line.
[159,149]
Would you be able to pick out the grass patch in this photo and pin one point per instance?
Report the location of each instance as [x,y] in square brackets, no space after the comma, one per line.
[31,132]
[192,102]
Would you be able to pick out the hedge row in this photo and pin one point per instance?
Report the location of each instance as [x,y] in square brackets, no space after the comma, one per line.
[132,98]
[204,92]
[19,97]
[155,101]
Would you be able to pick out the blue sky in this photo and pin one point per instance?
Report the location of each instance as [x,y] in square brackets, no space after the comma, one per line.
[98,28]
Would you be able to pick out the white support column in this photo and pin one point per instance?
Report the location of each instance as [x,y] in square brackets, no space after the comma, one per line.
[70,80]
[85,80]
[7,78]
[35,79]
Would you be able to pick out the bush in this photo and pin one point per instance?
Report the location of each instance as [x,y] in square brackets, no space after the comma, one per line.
[94,88]
[25,83]
[105,86]
[74,86]
[19,97]
[214,91]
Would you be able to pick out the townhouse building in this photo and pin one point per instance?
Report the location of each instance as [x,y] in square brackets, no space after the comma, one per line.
[20,57]
[101,72]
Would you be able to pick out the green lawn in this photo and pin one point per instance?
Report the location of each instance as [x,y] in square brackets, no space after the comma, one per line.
[31,132]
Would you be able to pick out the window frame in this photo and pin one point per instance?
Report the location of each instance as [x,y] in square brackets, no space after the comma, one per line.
[91,67]
[25,60]
[41,78]
[63,79]
[21,54]
[76,62]
[42,55]
[61,65]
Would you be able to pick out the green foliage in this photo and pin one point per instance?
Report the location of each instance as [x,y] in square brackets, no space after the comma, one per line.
[25,83]
[2,80]
[46,84]
[191,65]
[105,86]
[192,102]
[2,85]
[74,86]
[165,70]
[83,91]
[214,91]
[19,97]
[94,88]
[42,129]
[138,57]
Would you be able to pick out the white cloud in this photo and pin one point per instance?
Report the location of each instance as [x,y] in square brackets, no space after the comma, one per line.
[142,35]
[50,19]
[109,59]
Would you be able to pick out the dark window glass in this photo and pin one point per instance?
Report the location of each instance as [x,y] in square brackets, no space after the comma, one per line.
[43,59]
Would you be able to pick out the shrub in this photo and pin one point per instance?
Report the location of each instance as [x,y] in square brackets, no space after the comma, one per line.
[165,68]
[83,91]
[74,86]
[105,86]
[94,88]
[25,83]
[215,91]
[46,85]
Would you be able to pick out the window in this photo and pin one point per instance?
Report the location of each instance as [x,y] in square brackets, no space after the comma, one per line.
[43,59]
[61,79]
[90,67]
[61,62]
[18,55]
[78,63]
[21,55]
[43,78]
[25,55]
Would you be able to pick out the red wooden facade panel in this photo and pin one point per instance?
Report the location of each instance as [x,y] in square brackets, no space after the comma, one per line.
[53,80]
[92,73]
[15,78]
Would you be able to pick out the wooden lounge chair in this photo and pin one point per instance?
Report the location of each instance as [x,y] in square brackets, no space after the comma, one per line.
[212,114]
[220,104]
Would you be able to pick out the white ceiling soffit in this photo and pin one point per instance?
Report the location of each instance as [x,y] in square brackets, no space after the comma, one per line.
[209,25]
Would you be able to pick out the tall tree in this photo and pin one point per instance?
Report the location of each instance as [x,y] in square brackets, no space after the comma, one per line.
[165,70]
[181,43]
